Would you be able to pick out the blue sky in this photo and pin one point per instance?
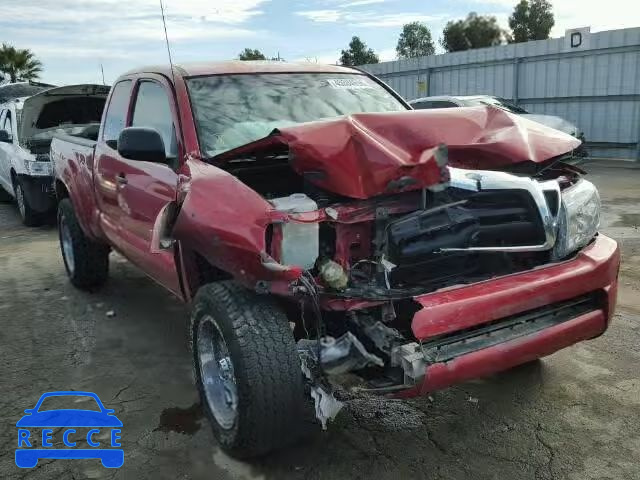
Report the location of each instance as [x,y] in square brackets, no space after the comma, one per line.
[73,37]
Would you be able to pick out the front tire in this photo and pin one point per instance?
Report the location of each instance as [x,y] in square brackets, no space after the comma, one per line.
[86,261]
[247,370]
[30,217]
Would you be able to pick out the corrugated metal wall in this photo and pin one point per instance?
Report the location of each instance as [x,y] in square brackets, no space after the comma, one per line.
[597,87]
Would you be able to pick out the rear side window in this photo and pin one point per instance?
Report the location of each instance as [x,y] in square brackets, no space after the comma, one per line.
[153,110]
[116,117]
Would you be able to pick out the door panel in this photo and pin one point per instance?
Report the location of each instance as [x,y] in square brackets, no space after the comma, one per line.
[132,192]
[108,162]
[149,187]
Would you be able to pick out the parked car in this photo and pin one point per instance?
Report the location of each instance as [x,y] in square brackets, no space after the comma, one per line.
[27,125]
[318,226]
[474,100]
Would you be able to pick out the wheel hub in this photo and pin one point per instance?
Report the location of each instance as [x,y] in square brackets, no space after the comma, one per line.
[216,373]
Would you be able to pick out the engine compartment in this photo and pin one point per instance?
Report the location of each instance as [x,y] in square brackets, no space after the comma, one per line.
[393,246]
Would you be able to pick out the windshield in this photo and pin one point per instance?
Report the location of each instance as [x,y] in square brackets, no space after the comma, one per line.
[233,110]
[498,102]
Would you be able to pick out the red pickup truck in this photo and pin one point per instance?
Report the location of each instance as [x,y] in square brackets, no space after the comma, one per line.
[326,234]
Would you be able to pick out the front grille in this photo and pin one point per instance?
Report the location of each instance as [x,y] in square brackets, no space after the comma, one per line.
[494,218]
[506,218]
[450,346]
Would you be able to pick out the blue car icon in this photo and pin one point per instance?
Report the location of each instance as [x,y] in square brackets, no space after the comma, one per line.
[27,457]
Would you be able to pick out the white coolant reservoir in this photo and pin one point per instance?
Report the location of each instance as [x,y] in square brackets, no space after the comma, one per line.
[300,241]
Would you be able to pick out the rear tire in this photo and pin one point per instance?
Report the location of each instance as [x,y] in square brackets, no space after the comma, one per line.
[30,217]
[239,335]
[86,261]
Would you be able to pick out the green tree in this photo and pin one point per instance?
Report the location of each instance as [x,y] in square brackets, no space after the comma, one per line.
[358,54]
[415,41]
[20,65]
[251,54]
[531,20]
[475,31]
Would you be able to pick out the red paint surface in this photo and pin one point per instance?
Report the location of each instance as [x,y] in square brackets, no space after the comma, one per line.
[359,155]
[509,354]
[594,268]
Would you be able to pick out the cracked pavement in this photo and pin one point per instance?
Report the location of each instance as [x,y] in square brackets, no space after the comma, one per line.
[572,416]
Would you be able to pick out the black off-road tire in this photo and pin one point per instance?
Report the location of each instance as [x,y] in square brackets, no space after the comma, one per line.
[90,259]
[30,217]
[272,405]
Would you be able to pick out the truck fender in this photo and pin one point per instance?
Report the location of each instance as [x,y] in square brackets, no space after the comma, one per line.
[226,228]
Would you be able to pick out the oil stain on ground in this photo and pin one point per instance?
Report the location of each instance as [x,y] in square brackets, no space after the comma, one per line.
[181,420]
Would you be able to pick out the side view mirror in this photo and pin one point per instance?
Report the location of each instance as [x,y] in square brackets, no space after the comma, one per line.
[141,143]
[5,137]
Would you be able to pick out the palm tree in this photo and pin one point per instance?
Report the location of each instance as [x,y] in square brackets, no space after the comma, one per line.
[19,65]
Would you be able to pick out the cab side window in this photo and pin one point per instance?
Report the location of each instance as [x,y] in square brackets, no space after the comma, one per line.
[116,118]
[152,109]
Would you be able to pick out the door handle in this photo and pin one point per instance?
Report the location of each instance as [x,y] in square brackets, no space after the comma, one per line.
[122,179]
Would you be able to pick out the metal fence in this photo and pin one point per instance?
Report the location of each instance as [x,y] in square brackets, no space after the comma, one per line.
[590,79]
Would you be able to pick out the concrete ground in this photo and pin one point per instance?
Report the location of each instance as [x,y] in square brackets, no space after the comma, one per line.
[574,415]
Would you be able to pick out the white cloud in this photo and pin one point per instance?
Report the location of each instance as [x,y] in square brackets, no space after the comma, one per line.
[366,19]
[392,20]
[359,3]
[102,12]
[322,15]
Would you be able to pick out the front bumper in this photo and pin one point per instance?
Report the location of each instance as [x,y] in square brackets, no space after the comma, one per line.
[594,270]
[39,192]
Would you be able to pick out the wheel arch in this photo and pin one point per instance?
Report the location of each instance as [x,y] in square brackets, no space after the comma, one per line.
[198,270]
[61,189]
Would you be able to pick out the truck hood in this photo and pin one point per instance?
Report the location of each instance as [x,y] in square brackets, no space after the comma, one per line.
[369,154]
[34,107]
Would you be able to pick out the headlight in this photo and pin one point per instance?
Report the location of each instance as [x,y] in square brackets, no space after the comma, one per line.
[36,168]
[579,218]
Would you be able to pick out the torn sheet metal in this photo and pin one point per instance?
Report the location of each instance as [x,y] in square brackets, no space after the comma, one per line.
[326,405]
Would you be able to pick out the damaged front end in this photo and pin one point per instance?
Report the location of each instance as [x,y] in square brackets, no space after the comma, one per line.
[360,232]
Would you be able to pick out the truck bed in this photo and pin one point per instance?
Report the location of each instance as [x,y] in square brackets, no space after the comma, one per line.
[72,158]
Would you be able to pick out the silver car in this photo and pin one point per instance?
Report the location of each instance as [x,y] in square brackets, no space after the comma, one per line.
[475,100]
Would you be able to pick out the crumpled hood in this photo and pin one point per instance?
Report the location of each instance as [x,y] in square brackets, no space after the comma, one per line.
[368,154]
